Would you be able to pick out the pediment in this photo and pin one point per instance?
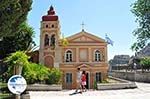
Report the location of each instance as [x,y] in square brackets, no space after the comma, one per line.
[84,66]
[85,37]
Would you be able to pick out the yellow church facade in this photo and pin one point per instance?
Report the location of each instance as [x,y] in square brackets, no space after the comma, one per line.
[84,50]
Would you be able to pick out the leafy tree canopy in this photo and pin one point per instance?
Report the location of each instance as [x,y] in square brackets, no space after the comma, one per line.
[21,41]
[12,14]
[141,9]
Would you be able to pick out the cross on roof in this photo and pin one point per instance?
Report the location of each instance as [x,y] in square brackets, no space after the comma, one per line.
[83,26]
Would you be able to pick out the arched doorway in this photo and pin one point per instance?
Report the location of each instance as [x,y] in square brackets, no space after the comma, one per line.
[87,80]
[87,69]
[49,61]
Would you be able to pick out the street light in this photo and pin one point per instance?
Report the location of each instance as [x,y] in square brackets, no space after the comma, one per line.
[135,68]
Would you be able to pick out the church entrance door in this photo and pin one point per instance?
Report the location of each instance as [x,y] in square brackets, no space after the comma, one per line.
[87,80]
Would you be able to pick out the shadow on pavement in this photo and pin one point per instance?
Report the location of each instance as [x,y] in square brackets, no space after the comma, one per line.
[74,93]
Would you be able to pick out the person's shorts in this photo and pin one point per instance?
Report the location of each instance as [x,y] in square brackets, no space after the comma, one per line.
[84,83]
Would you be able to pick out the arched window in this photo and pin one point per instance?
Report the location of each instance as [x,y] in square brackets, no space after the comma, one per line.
[52,25]
[53,40]
[46,25]
[68,56]
[97,56]
[46,40]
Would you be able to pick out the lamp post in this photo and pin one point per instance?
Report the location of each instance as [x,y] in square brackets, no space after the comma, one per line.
[18,71]
[135,67]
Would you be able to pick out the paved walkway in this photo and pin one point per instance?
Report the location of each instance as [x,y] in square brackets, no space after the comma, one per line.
[142,92]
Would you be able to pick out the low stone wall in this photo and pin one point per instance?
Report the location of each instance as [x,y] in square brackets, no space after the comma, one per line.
[42,87]
[138,76]
[25,95]
[123,84]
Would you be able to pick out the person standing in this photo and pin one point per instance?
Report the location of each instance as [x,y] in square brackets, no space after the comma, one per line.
[78,80]
[83,81]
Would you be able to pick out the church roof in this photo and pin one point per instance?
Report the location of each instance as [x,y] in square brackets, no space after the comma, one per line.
[84,36]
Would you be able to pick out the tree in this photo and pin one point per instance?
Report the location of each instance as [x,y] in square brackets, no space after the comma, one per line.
[141,9]
[145,63]
[21,41]
[12,14]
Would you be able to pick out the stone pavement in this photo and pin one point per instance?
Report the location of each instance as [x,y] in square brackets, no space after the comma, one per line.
[142,92]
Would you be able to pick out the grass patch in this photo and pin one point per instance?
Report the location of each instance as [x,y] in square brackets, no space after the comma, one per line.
[3,85]
[109,80]
[3,91]
[5,96]
[105,81]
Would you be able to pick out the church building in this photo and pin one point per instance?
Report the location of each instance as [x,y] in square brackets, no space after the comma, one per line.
[84,50]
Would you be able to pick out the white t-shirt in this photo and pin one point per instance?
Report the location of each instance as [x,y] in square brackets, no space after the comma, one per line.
[79,76]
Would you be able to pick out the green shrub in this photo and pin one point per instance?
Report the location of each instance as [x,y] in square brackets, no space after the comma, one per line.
[43,73]
[18,58]
[35,73]
[105,81]
[54,77]
[95,85]
[145,62]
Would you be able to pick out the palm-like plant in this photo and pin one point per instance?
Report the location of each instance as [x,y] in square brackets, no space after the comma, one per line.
[64,42]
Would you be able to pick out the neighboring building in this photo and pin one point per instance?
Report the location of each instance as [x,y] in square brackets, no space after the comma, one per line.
[34,56]
[84,50]
[119,62]
[145,52]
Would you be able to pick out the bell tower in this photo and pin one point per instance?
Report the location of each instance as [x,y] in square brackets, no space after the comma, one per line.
[49,38]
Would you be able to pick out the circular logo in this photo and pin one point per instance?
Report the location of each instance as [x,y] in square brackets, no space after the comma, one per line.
[17,84]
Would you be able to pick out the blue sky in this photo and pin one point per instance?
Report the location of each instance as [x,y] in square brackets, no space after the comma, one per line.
[100,17]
